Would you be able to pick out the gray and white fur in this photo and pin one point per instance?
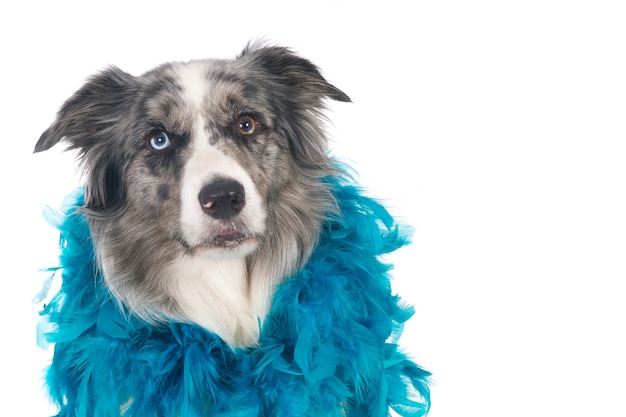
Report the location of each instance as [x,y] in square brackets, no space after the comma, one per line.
[204,185]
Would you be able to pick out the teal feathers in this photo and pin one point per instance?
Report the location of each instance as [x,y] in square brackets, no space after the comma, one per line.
[327,347]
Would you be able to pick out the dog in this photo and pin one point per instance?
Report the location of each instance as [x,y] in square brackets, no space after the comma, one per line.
[206,188]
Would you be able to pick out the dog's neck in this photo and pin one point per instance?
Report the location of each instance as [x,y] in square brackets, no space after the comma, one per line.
[216,294]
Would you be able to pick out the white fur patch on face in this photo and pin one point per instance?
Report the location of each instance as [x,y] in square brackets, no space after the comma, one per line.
[194,81]
[208,163]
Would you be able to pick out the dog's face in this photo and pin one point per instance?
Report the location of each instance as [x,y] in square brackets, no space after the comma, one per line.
[213,159]
[208,161]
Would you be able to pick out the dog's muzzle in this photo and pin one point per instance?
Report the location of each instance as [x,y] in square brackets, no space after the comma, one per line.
[222,199]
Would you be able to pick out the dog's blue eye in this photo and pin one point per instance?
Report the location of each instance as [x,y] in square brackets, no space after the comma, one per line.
[160,141]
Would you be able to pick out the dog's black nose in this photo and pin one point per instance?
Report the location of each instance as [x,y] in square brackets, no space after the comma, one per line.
[222,199]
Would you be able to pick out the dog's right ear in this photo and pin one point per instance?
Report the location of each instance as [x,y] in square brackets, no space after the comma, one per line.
[299,75]
[93,108]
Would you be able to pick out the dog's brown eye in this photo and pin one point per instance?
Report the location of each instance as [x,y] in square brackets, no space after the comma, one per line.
[246,125]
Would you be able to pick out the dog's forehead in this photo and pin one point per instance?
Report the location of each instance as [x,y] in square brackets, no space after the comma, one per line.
[213,88]
[194,81]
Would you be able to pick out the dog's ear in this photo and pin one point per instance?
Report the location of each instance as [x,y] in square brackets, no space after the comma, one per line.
[297,92]
[90,110]
[87,121]
[299,75]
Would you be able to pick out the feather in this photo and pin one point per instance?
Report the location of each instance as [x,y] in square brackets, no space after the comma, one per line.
[327,347]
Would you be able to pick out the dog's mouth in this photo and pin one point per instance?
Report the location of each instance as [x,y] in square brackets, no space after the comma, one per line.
[227,238]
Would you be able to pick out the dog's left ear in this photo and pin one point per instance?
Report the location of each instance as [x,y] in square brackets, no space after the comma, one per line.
[298,90]
[299,75]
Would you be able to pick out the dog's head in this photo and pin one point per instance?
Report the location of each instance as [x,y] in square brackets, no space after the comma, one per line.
[213,141]
[209,158]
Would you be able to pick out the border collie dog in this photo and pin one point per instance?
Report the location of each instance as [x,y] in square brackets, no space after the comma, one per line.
[219,277]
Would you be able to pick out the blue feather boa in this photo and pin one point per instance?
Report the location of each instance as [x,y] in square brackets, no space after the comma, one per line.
[327,345]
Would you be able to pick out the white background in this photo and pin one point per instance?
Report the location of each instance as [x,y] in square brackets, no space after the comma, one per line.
[497,129]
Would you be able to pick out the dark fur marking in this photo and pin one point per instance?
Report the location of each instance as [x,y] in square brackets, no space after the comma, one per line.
[164,192]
